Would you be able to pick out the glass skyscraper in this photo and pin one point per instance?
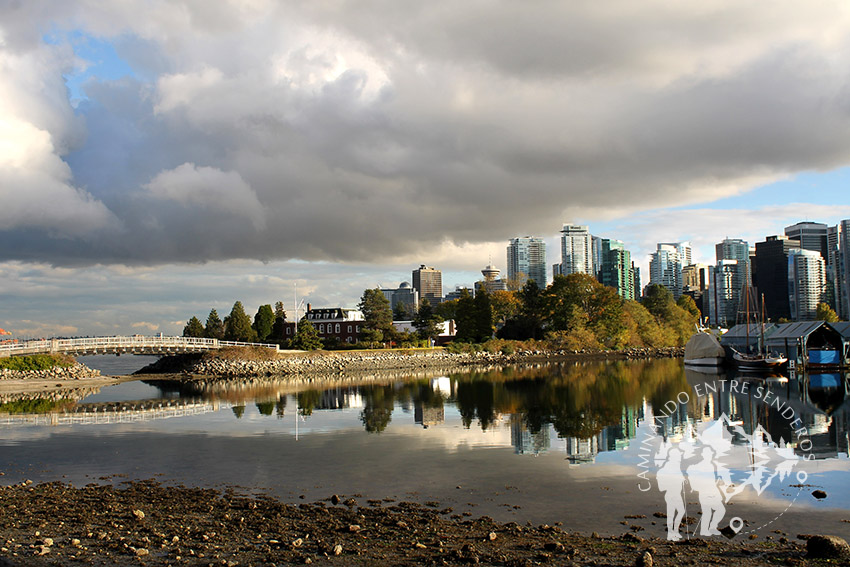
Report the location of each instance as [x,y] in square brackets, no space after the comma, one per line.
[527,260]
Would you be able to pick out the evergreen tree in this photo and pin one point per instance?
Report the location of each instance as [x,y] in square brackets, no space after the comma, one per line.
[307,337]
[214,328]
[483,316]
[237,325]
[465,318]
[263,322]
[426,322]
[194,328]
[279,326]
[377,316]
[401,312]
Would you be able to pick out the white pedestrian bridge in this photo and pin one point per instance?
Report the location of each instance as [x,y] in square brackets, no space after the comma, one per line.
[134,344]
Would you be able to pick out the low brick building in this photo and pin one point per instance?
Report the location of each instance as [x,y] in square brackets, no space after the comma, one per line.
[332,322]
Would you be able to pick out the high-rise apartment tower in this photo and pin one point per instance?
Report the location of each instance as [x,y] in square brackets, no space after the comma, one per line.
[527,260]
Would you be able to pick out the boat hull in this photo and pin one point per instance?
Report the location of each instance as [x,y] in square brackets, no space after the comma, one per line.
[708,361]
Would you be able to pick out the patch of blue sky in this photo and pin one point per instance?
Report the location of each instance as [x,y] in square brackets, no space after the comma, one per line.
[101,61]
[814,187]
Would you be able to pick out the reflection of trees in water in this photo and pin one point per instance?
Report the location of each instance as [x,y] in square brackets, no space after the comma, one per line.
[307,400]
[265,408]
[578,400]
[378,404]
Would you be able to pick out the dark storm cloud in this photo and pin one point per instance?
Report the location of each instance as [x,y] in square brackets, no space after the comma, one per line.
[378,130]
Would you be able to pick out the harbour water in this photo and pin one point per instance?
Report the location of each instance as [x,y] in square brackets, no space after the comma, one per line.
[542,444]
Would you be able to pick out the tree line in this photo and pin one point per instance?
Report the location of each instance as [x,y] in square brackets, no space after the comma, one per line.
[574,312]
[268,325]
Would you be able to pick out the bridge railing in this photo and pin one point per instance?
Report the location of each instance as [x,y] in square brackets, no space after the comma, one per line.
[137,342]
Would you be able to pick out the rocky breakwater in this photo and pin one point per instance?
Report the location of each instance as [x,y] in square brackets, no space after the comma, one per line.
[336,363]
[76,371]
[364,362]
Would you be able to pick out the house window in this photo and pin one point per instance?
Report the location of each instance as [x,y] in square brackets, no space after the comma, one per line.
[358,328]
[322,328]
[349,328]
[337,327]
[289,330]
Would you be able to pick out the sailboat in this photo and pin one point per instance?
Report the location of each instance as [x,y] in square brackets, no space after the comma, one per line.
[761,360]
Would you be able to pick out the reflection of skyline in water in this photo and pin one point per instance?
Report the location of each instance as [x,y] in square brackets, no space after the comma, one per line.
[776,404]
[580,409]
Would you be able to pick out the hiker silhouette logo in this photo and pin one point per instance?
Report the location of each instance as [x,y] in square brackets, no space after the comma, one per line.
[701,467]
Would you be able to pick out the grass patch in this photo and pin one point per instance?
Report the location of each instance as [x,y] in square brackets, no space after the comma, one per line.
[243,353]
[36,362]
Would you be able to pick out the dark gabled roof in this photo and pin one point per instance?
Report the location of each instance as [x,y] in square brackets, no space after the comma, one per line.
[795,330]
[842,327]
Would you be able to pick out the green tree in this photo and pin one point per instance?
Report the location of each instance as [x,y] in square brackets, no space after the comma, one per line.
[826,313]
[483,316]
[237,325]
[447,310]
[402,312]
[194,328]
[529,321]
[658,300]
[687,303]
[307,337]
[426,322]
[279,326]
[465,318]
[377,316]
[578,303]
[263,322]
[214,328]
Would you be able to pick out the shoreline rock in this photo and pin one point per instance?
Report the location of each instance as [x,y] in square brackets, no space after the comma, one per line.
[342,362]
[76,371]
[103,524]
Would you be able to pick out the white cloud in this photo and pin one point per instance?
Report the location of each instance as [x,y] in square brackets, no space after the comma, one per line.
[36,129]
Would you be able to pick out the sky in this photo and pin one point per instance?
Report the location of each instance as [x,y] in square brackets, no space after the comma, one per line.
[159,158]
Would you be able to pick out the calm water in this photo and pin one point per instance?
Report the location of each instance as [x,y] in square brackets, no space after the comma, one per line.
[557,443]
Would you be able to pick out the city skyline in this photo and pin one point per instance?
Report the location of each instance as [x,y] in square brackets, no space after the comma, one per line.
[158,159]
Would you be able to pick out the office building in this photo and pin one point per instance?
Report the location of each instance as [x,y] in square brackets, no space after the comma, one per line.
[841,278]
[806,283]
[725,290]
[735,249]
[695,283]
[428,283]
[527,260]
[770,274]
[811,235]
[736,253]
[576,250]
[403,295]
[616,268]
